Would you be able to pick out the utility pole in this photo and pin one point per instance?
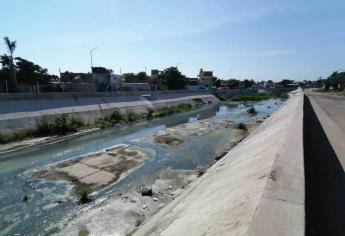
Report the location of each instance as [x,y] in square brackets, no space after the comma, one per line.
[93,82]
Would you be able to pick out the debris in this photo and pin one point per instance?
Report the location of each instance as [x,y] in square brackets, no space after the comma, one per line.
[145,191]
[25,198]
[201,171]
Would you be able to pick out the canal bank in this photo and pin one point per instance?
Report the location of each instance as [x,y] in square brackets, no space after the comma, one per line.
[22,114]
[206,135]
[256,189]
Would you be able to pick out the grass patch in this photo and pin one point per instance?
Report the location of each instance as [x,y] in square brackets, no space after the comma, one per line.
[258,96]
[83,232]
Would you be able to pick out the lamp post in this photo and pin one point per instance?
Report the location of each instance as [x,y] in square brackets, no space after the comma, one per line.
[93,84]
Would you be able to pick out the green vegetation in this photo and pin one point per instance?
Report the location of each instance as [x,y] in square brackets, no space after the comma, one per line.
[258,96]
[83,232]
[66,124]
[117,117]
[83,194]
[252,111]
[172,78]
[60,125]
[251,97]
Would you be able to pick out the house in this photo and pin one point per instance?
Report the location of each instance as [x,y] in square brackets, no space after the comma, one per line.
[205,79]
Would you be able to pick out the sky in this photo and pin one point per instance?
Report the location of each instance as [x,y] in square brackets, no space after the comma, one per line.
[258,39]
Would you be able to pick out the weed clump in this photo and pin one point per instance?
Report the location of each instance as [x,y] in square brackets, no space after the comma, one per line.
[252,111]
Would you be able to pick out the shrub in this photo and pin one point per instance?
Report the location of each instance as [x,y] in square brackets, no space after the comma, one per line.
[6,137]
[116,116]
[149,113]
[252,111]
[60,125]
[76,123]
[83,193]
[132,116]
[44,126]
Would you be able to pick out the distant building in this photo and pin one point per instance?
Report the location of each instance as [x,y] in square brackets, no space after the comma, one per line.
[192,83]
[205,79]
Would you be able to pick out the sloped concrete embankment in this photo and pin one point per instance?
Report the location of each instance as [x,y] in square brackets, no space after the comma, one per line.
[256,189]
[18,114]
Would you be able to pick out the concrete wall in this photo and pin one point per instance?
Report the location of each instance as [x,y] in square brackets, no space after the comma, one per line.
[256,189]
[19,114]
[76,95]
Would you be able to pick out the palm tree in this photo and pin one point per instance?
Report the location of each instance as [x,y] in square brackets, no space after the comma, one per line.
[11,46]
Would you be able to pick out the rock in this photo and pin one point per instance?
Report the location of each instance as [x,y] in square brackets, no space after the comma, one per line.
[220,164]
[144,206]
[25,198]
[169,187]
[155,199]
[145,191]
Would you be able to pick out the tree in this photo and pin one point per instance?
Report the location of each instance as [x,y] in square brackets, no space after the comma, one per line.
[141,77]
[11,46]
[233,83]
[101,70]
[337,80]
[130,77]
[246,83]
[285,82]
[29,73]
[173,79]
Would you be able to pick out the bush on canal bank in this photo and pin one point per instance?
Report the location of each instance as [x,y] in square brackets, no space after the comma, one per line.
[117,117]
[252,111]
[45,126]
[258,96]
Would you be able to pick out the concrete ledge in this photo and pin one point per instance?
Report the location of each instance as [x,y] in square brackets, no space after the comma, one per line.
[256,189]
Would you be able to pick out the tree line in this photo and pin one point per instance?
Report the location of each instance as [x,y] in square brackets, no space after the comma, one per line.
[17,70]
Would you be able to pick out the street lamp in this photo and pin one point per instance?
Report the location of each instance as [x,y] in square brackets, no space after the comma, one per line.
[91,51]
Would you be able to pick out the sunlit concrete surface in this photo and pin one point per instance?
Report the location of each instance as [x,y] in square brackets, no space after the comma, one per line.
[256,189]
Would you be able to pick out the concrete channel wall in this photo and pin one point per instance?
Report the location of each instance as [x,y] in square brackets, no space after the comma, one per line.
[19,114]
[256,189]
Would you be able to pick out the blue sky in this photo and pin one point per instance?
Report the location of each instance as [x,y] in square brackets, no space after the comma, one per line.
[244,39]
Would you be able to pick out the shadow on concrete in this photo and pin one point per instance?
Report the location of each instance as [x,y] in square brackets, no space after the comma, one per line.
[324,180]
